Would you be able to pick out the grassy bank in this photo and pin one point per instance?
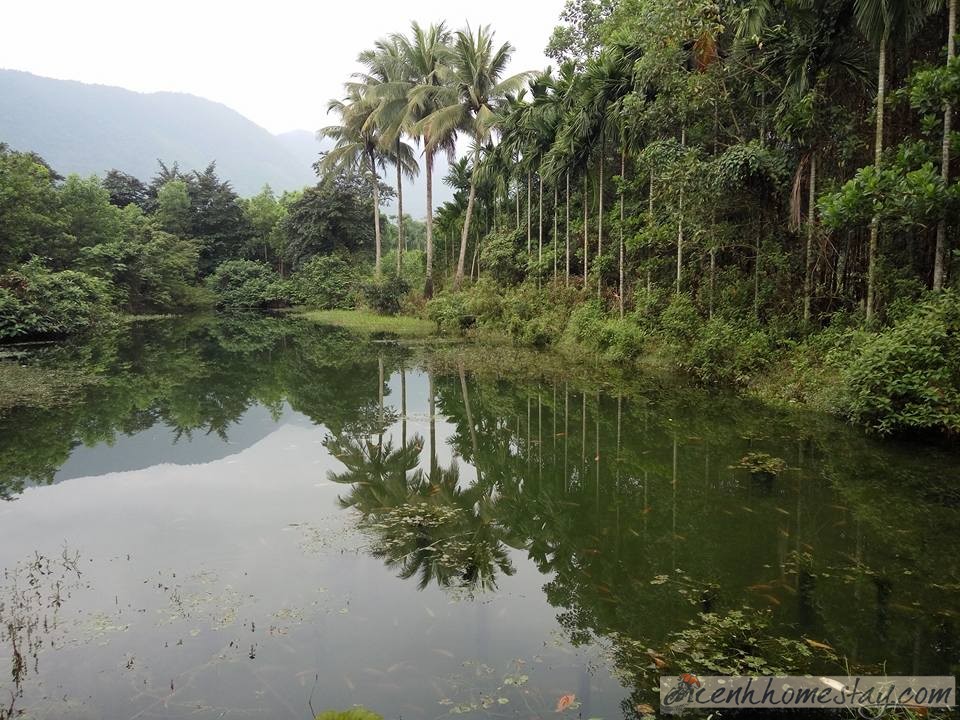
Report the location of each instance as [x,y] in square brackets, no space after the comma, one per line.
[363,321]
[901,376]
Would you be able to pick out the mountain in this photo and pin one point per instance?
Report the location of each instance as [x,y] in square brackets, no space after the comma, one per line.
[81,128]
[90,129]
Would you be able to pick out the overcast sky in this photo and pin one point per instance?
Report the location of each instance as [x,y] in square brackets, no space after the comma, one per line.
[276,62]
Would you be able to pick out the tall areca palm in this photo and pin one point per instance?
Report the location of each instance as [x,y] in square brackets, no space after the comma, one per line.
[883,22]
[470,102]
[357,148]
[940,253]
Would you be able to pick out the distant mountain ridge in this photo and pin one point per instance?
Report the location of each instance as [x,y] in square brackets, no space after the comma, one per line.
[82,128]
[89,129]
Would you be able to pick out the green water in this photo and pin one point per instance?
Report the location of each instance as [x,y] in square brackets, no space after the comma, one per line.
[250,517]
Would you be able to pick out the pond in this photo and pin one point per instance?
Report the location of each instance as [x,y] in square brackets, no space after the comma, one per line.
[258,517]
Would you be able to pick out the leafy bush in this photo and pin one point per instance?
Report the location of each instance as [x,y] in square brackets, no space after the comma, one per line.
[248,284]
[908,377]
[680,321]
[385,295]
[37,302]
[727,352]
[500,256]
[327,282]
[450,312]
[537,316]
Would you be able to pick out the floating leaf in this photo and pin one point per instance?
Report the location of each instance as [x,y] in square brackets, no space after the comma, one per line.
[565,701]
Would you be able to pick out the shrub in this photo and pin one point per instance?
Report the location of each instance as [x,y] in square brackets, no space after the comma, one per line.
[500,256]
[385,295]
[726,352]
[327,282]
[36,302]
[908,377]
[450,312]
[248,284]
[681,320]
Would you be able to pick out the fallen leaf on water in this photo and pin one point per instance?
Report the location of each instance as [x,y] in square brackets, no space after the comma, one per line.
[565,701]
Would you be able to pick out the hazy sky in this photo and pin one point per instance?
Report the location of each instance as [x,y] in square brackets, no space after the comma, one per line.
[276,62]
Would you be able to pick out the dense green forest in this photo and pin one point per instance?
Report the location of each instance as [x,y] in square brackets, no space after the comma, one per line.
[758,193]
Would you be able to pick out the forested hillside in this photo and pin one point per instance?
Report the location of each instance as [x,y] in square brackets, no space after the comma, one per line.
[89,129]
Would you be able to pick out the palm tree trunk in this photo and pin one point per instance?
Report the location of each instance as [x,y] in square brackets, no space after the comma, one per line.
[649,224]
[469,417]
[555,253]
[540,225]
[376,214]
[623,170]
[878,156]
[940,254]
[529,218]
[600,225]
[517,197]
[811,216]
[567,281]
[713,275]
[586,255]
[400,245]
[428,286]
[458,278]
[683,143]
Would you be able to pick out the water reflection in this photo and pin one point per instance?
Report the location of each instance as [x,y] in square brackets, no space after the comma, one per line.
[668,529]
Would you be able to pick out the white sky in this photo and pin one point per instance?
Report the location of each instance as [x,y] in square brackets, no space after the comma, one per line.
[276,62]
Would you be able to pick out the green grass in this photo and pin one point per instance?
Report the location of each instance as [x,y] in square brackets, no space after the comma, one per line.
[367,322]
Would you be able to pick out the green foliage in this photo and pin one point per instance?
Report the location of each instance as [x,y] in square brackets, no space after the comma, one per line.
[247,284]
[327,282]
[149,269]
[355,713]
[36,302]
[29,207]
[385,294]
[762,463]
[173,207]
[681,321]
[908,376]
[726,352]
[501,256]
[450,311]
[332,216]
[739,642]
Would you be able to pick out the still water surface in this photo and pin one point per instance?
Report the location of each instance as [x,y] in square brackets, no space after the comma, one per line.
[247,518]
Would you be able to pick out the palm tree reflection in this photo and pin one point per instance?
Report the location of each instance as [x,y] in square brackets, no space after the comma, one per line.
[424,524]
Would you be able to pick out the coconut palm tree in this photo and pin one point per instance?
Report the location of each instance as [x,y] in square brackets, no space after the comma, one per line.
[357,148]
[427,56]
[470,100]
[386,68]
